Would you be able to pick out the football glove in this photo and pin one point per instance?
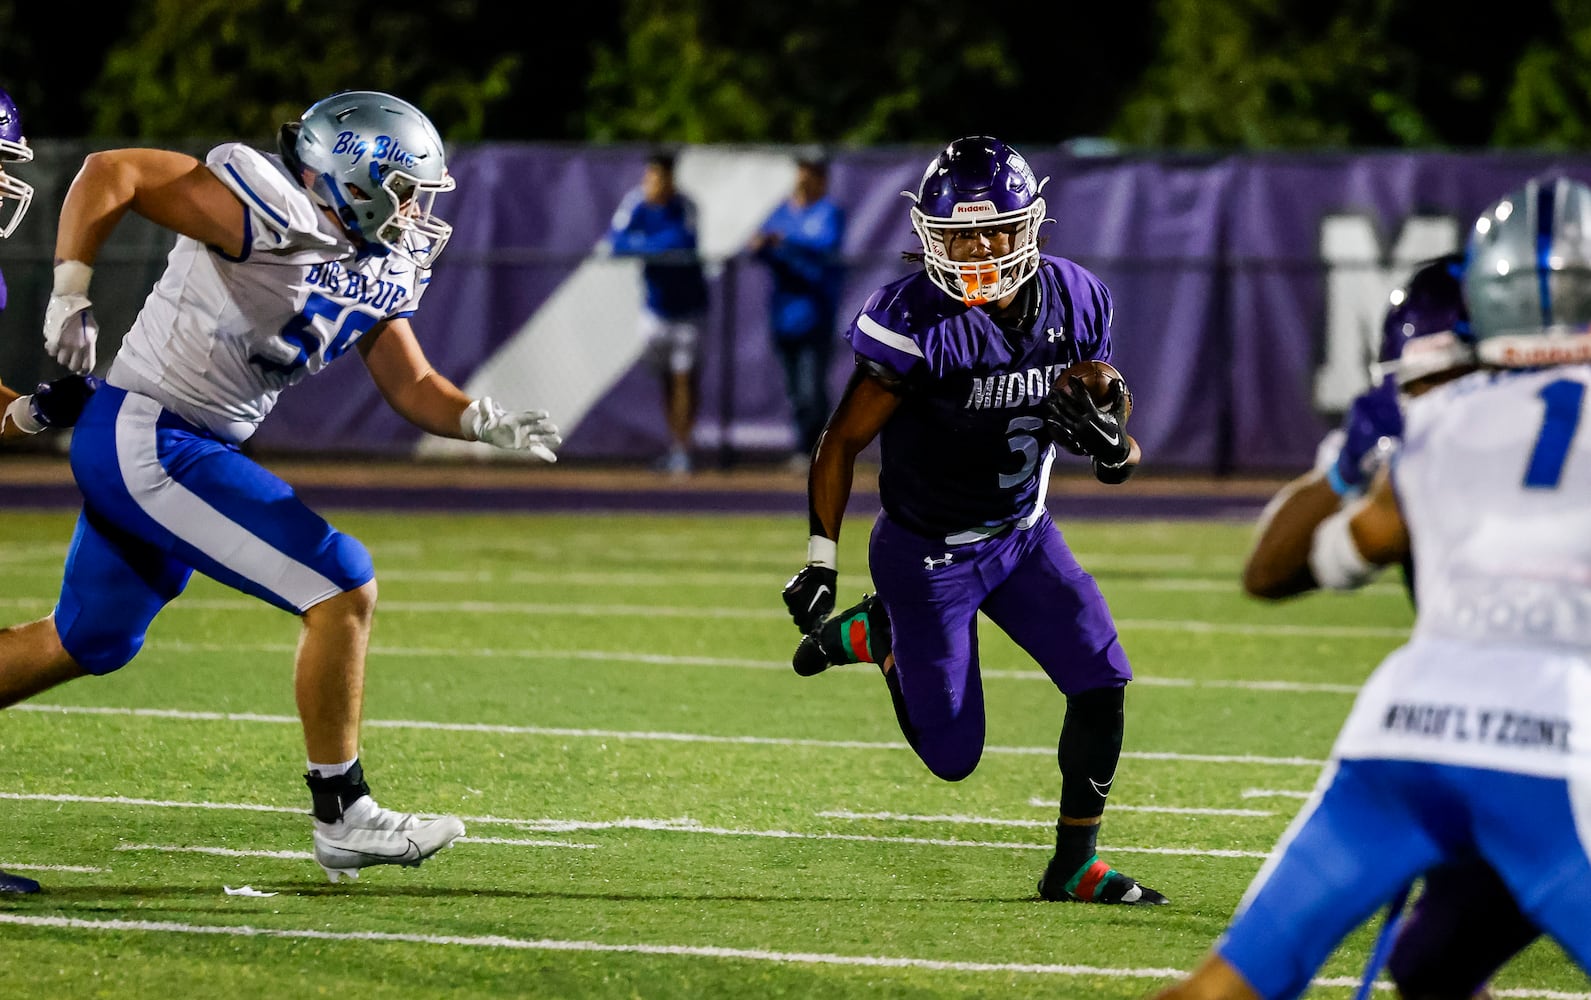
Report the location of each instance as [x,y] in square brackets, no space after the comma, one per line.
[60,403]
[70,329]
[53,404]
[1082,426]
[1371,429]
[515,430]
[810,596]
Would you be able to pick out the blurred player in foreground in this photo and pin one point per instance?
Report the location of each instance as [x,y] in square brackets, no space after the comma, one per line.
[1466,743]
[955,366]
[1463,926]
[282,263]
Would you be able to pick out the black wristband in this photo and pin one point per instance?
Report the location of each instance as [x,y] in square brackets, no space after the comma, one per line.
[1112,475]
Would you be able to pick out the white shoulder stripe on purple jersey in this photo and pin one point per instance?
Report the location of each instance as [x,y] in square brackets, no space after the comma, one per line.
[889,338]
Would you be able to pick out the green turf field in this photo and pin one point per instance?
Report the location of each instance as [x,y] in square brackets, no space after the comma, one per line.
[657,806]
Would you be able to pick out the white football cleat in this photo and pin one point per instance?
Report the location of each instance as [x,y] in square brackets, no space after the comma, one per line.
[369,835]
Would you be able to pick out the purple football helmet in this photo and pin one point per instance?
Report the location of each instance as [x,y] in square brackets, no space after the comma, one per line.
[14,194]
[1426,330]
[977,183]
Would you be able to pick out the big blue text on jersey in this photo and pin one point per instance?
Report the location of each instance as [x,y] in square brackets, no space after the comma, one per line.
[337,280]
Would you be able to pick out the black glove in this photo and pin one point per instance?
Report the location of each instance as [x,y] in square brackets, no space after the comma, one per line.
[810,596]
[1082,426]
[60,403]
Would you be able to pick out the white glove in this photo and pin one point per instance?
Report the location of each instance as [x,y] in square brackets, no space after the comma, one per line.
[517,430]
[70,329]
[20,413]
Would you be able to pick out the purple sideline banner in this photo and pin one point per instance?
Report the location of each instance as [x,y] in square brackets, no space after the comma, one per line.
[1248,290]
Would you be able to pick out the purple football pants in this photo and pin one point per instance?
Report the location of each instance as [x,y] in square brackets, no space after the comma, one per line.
[1028,583]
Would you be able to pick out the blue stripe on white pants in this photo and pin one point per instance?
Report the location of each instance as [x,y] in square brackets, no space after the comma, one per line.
[200,501]
[1380,823]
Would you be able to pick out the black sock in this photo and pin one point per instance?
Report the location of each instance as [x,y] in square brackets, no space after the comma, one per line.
[1074,846]
[332,795]
[1090,747]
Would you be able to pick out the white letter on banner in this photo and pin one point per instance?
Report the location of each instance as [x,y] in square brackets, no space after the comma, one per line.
[1359,284]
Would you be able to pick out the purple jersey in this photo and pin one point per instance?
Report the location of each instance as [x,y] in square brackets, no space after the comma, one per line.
[966,450]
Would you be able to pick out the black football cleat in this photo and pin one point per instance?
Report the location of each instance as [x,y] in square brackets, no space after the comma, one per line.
[858,634]
[16,884]
[1096,882]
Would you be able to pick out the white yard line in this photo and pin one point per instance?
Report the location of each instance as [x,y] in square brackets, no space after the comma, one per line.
[1278,793]
[550,825]
[664,659]
[12,866]
[1029,823]
[621,734]
[229,852]
[1044,803]
[670,950]
[760,614]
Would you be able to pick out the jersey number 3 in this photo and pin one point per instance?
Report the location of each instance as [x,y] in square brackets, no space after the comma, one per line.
[1563,400]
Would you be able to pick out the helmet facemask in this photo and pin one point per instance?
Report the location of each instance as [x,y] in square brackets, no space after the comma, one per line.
[15,193]
[393,212]
[978,282]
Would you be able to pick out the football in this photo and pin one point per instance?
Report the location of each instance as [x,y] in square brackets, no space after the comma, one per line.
[1098,377]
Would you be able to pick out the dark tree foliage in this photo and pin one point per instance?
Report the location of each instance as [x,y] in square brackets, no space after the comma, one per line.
[1147,74]
[1272,74]
[859,71]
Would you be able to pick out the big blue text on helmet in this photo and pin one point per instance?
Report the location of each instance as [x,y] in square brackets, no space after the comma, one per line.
[384,148]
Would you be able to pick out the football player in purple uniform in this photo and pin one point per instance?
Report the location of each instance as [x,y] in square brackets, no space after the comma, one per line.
[954,367]
[55,404]
[1464,925]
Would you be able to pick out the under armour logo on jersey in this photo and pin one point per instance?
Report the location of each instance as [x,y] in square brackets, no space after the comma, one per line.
[929,562]
[1055,333]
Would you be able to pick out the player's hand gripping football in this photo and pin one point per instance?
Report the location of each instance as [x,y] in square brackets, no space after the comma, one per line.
[515,430]
[1084,427]
[810,596]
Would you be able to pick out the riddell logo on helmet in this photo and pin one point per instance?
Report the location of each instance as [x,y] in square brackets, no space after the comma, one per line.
[973,208]
[1559,349]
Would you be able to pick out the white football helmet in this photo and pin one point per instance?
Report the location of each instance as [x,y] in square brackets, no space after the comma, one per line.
[378,163]
[1527,281]
[15,195]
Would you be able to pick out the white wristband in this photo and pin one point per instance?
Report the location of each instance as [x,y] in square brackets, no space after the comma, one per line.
[823,552]
[72,278]
[1334,559]
[20,412]
[470,420]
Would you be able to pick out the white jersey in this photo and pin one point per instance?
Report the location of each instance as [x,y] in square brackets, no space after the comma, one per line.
[218,338]
[1494,479]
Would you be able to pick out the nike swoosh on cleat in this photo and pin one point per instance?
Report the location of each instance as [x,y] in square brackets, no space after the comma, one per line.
[412,849]
[817,597]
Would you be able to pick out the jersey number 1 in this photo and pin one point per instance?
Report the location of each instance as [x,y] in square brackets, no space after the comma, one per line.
[1558,425]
